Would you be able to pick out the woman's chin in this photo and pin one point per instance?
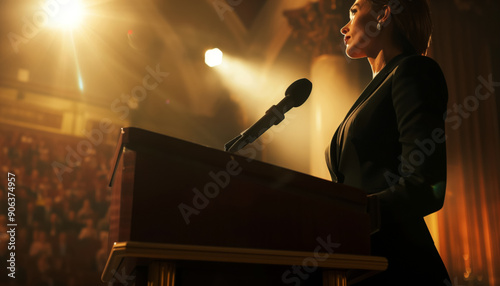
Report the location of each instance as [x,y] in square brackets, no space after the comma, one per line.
[354,53]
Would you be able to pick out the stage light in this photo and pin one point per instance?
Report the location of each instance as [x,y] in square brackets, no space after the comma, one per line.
[65,16]
[213,57]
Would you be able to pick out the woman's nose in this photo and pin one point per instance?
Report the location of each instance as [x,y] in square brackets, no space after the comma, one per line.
[344,29]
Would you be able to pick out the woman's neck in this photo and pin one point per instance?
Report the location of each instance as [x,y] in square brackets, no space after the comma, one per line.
[380,60]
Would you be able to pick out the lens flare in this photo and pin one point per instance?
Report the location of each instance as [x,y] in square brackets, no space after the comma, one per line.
[67,16]
[213,57]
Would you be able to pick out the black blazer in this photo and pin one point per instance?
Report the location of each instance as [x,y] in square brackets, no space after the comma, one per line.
[391,144]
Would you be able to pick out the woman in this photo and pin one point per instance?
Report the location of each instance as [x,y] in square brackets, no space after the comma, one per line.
[392,143]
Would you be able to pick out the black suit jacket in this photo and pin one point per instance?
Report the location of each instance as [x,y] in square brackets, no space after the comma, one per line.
[391,144]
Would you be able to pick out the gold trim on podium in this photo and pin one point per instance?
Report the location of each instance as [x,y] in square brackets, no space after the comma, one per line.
[161,273]
[161,270]
[334,278]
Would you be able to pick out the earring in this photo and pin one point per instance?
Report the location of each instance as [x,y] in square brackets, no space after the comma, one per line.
[379,26]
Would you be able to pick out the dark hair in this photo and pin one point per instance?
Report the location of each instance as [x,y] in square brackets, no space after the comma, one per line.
[412,23]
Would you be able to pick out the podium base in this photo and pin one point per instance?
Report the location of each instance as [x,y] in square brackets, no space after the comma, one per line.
[162,264]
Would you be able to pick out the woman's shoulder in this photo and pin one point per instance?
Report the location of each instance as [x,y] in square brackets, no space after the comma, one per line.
[421,69]
[418,63]
[422,77]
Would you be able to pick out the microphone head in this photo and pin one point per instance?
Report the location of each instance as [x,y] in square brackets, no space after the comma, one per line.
[299,91]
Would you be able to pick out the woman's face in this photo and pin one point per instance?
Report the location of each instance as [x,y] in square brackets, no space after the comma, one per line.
[361,31]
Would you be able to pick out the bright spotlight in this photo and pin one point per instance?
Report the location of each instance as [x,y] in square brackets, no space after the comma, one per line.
[213,57]
[65,16]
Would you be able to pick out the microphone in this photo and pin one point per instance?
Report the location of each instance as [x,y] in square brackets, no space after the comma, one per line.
[295,95]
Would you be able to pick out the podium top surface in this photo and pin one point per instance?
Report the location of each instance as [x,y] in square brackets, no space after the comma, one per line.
[141,140]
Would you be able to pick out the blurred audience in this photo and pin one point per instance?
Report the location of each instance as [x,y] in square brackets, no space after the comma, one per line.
[40,245]
[62,225]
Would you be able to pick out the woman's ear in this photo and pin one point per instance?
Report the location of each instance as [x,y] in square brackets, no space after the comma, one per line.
[384,16]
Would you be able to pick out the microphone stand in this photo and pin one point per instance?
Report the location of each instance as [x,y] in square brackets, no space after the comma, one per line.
[272,117]
[295,95]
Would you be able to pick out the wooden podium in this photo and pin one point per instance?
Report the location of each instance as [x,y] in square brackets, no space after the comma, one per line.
[188,214]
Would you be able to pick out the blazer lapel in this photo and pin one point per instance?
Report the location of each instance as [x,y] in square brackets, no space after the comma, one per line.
[333,154]
[375,83]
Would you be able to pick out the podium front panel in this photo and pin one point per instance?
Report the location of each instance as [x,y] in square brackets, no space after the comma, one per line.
[167,190]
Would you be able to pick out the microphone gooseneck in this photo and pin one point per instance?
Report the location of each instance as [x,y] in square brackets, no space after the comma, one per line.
[295,95]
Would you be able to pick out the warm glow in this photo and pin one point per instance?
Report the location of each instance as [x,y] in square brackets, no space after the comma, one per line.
[240,76]
[213,57]
[64,16]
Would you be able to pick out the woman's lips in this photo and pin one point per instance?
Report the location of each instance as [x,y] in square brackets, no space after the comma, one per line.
[346,39]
